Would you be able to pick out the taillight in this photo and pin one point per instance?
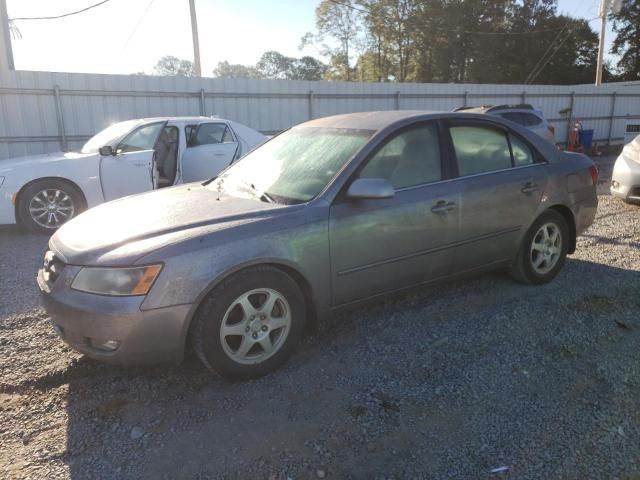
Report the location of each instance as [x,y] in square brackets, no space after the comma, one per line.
[552,129]
[593,170]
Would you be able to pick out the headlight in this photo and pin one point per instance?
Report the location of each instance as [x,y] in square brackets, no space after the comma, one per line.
[116,281]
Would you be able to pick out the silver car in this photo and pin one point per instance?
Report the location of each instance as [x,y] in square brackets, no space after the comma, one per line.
[625,179]
[523,114]
[330,213]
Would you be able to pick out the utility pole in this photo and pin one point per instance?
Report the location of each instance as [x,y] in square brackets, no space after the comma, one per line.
[604,6]
[6,49]
[196,42]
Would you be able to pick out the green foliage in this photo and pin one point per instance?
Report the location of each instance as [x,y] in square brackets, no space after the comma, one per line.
[627,42]
[171,66]
[486,41]
[233,70]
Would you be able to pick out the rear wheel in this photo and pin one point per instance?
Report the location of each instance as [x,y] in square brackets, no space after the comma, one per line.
[249,325]
[46,205]
[543,250]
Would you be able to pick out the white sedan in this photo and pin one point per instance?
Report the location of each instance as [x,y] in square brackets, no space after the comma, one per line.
[42,192]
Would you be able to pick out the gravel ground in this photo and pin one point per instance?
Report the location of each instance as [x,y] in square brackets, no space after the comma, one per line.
[447,382]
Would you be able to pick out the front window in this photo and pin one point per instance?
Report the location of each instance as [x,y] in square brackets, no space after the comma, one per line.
[409,159]
[294,167]
[141,139]
[109,136]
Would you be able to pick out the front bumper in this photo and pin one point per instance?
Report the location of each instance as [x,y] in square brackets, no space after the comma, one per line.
[88,322]
[625,179]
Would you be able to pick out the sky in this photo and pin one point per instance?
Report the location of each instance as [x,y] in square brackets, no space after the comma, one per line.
[129,36]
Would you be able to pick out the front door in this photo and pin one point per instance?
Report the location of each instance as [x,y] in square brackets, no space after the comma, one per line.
[211,147]
[382,245]
[502,180]
[131,169]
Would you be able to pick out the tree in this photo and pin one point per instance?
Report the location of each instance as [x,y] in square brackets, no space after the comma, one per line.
[225,69]
[307,68]
[340,21]
[171,66]
[273,64]
[626,24]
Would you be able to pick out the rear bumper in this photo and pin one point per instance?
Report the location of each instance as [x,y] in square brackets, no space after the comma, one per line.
[625,179]
[88,322]
[584,213]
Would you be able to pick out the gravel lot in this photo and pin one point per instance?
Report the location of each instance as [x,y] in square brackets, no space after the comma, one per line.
[447,382]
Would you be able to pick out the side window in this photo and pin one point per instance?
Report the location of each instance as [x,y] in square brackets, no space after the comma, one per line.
[514,117]
[522,154]
[209,134]
[143,138]
[480,149]
[189,132]
[410,158]
[531,120]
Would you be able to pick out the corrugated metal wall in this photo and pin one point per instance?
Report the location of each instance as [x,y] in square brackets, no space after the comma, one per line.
[43,111]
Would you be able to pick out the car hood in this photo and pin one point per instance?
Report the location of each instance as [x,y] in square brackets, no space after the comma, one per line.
[122,231]
[9,164]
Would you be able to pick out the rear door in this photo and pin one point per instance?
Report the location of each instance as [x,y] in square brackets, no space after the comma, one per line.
[211,147]
[131,169]
[381,245]
[501,179]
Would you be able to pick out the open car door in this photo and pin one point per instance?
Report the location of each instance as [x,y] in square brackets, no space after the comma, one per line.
[211,147]
[131,169]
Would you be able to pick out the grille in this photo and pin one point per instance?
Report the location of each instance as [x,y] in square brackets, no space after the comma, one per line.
[52,267]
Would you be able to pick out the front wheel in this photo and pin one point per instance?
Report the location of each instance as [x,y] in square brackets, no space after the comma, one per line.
[543,250]
[46,205]
[249,325]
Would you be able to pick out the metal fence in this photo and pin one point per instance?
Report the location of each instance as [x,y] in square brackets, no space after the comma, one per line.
[43,111]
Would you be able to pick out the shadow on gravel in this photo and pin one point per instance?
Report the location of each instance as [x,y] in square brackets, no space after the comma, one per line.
[444,382]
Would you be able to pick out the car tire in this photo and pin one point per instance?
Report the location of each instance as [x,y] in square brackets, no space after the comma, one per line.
[542,255]
[249,324]
[64,199]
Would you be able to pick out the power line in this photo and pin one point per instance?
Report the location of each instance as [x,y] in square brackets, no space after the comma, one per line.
[63,15]
[138,23]
[537,70]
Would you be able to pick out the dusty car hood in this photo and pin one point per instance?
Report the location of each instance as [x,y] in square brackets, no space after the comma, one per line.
[9,164]
[119,232]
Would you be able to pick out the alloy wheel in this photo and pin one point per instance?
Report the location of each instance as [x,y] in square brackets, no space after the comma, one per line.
[255,326]
[51,207]
[546,248]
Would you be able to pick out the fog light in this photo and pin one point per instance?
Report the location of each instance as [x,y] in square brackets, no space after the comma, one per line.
[615,184]
[108,346]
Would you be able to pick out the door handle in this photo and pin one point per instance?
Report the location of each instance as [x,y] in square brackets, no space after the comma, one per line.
[528,188]
[141,164]
[218,154]
[442,207]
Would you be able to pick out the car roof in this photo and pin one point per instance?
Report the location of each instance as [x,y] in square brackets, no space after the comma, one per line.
[185,119]
[493,108]
[370,120]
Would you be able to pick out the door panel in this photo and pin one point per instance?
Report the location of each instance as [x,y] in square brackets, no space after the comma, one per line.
[385,245]
[495,208]
[126,174]
[206,161]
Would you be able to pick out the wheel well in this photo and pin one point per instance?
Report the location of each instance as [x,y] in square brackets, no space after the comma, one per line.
[301,281]
[571,224]
[57,179]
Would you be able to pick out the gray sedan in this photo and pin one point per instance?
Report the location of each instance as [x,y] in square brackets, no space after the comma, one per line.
[330,213]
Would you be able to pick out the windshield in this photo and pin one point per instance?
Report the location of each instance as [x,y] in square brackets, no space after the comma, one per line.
[294,167]
[108,135]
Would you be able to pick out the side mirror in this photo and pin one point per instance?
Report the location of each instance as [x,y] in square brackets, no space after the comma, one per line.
[106,151]
[370,188]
